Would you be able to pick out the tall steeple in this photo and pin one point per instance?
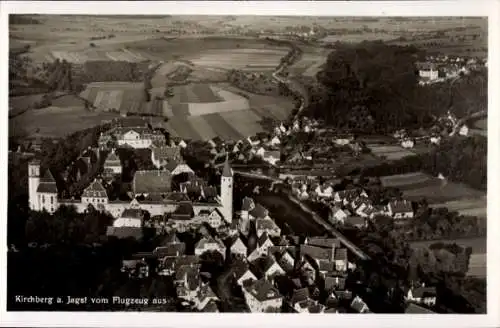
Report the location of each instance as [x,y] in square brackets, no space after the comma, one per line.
[227,171]
[226,190]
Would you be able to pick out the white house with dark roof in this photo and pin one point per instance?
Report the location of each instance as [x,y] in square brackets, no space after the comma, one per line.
[205,296]
[359,305]
[271,156]
[238,248]
[242,273]
[262,247]
[262,296]
[422,295]
[209,244]
[95,194]
[400,209]
[112,163]
[266,267]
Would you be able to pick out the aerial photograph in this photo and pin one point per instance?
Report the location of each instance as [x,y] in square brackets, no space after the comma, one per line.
[247,164]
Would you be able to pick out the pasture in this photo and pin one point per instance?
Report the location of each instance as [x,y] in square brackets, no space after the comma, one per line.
[247,59]
[416,186]
[121,96]
[389,152]
[56,122]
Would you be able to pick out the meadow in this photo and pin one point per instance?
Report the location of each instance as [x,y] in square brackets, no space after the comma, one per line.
[389,152]
[438,193]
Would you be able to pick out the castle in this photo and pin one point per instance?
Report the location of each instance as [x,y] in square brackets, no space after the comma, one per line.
[43,194]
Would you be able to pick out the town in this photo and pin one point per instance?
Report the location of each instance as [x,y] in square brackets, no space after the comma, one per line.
[335,206]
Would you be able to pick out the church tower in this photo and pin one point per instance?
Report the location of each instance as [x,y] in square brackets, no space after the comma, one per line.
[226,190]
[33,182]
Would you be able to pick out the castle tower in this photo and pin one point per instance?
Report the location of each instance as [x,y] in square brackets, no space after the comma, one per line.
[33,182]
[226,190]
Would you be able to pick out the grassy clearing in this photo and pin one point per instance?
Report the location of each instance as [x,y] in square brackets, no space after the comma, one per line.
[478,245]
[57,122]
[20,104]
[472,206]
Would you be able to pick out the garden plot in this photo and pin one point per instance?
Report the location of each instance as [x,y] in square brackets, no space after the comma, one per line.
[390,152]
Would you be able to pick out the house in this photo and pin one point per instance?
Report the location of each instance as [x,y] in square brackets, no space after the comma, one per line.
[260,151]
[400,209]
[301,302]
[189,284]
[275,141]
[212,143]
[334,283]
[407,143]
[266,267]
[258,212]
[435,140]
[262,296]
[324,242]
[267,225]
[238,248]
[205,296]
[341,262]
[423,295]
[138,137]
[318,253]
[130,217]
[161,156]
[253,140]
[209,244]
[428,71]
[417,309]
[271,156]
[247,206]
[242,273]
[213,217]
[359,305]
[464,130]
[182,144]
[356,221]
[262,247]
[94,194]
[325,191]
[211,306]
[169,265]
[112,163]
[151,182]
[124,232]
[337,214]
[285,260]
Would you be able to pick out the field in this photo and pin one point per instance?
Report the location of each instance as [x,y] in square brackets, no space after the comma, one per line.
[358,37]
[477,264]
[310,63]
[56,121]
[240,58]
[438,192]
[390,152]
[19,104]
[122,96]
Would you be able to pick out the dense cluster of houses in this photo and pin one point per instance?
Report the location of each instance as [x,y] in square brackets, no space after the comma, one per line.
[351,206]
[440,68]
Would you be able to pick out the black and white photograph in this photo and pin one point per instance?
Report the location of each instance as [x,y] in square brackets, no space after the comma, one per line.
[213,163]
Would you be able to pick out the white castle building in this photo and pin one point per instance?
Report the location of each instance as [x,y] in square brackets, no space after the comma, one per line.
[43,194]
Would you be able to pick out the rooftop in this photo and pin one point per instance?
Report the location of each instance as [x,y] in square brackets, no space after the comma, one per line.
[263,290]
[152,181]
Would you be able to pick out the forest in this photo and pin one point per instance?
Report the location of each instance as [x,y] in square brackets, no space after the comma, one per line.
[373,87]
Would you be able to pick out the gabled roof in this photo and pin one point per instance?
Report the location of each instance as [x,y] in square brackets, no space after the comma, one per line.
[124,232]
[239,268]
[416,309]
[134,213]
[420,292]
[357,304]
[263,238]
[265,224]
[262,290]
[211,307]
[47,184]
[248,204]
[112,159]
[152,181]
[300,295]
[258,211]
[167,153]
[170,238]
[317,253]
[401,206]
[95,189]
[341,254]
[324,242]
[209,240]
[261,265]
[334,283]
